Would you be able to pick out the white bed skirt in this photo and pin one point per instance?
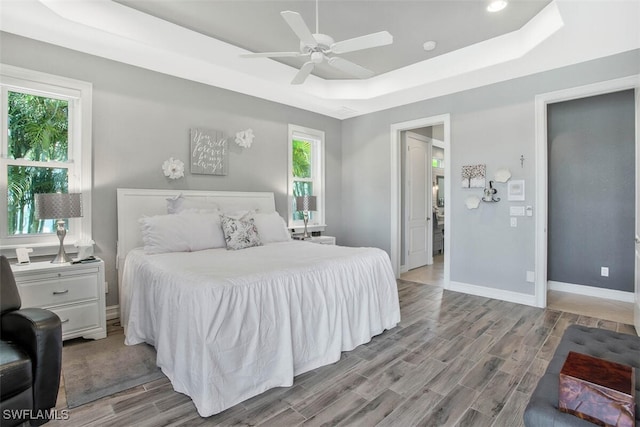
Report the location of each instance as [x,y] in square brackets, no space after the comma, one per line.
[228,325]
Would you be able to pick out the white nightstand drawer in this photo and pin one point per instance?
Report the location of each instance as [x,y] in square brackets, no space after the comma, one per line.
[63,290]
[36,272]
[78,317]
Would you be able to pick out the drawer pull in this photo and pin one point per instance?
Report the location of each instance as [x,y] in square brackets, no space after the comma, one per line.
[66,291]
[64,321]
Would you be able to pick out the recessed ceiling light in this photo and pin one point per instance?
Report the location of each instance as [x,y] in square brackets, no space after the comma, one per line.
[430,45]
[496,5]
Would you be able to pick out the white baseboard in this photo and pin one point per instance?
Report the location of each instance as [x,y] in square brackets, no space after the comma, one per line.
[113,312]
[404,268]
[591,291]
[493,293]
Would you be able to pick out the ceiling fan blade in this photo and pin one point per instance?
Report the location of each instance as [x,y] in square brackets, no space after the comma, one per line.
[382,38]
[299,27]
[272,55]
[350,68]
[303,73]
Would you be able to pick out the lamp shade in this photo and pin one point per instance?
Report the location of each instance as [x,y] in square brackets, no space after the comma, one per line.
[306,203]
[58,205]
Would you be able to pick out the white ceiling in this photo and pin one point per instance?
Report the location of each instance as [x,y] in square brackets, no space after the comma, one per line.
[201,40]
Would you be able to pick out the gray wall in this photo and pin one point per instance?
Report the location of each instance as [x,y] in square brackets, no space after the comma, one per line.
[591,202]
[141,118]
[494,125]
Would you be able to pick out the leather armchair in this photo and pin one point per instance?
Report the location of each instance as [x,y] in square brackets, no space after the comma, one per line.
[30,356]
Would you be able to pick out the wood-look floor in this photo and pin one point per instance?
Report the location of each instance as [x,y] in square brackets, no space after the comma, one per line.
[454,360]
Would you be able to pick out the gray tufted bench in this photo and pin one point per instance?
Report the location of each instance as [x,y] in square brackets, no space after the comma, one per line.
[542,410]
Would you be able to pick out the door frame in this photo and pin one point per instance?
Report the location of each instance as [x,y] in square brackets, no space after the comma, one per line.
[636,304]
[541,162]
[396,182]
[428,190]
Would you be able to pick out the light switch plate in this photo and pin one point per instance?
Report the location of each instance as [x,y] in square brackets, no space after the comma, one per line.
[516,210]
[514,221]
[531,276]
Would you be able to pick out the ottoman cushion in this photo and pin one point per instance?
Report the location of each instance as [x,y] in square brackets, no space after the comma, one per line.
[542,409]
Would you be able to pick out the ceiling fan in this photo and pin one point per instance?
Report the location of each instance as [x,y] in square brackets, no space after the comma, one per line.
[321,47]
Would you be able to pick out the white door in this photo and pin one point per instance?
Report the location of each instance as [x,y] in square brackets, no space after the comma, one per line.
[636,305]
[418,189]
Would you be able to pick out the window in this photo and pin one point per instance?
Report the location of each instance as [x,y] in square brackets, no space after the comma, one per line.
[306,174]
[45,148]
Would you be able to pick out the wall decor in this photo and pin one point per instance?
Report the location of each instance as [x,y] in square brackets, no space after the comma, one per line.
[173,168]
[244,138]
[472,202]
[490,194]
[208,152]
[515,190]
[473,176]
[502,175]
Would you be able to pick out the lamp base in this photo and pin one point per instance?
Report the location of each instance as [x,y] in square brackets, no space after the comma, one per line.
[61,258]
[61,232]
[305,217]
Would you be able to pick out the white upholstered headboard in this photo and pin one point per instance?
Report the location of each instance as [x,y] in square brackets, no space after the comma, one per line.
[135,203]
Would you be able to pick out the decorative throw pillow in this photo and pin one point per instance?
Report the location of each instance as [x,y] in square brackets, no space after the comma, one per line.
[240,234]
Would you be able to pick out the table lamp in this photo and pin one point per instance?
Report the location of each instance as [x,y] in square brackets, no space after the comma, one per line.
[306,204]
[59,206]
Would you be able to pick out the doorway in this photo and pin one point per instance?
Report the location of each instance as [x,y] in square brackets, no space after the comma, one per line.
[542,192]
[398,251]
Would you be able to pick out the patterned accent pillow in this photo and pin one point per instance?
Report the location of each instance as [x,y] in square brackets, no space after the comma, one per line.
[240,234]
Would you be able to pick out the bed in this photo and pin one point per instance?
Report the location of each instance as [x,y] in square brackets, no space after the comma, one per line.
[230,324]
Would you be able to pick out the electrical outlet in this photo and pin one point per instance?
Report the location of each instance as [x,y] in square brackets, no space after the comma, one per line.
[106,287]
[604,271]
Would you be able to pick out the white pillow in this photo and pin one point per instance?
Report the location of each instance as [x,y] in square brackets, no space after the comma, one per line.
[181,203]
[185,232]
[271,227]
[240,234]
[242,214]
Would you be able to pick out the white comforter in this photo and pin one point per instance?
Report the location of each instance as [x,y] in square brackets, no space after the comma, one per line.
[228,325]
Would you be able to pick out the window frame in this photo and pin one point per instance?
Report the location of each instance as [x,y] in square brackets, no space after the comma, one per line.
[79,162]
[316,138]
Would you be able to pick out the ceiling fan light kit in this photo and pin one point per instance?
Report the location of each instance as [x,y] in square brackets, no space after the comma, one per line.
[319,48]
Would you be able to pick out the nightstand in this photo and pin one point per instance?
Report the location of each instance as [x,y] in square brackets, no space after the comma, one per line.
[75,292]
[323,240]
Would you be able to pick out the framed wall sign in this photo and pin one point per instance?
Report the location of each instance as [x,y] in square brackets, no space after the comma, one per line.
[208,152]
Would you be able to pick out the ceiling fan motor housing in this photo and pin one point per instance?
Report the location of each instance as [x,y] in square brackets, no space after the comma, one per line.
[323,44]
